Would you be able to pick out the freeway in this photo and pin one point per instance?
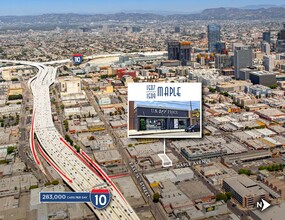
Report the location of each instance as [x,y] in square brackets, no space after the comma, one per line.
[76,169]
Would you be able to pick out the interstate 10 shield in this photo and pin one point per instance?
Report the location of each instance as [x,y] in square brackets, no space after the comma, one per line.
[77,58]
[100,198]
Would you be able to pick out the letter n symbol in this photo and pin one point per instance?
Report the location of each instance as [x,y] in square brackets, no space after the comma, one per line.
[259,205]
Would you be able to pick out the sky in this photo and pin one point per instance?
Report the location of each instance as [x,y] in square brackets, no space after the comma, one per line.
[37,7]
[173,104]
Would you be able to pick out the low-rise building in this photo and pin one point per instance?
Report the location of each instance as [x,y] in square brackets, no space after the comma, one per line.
[233,86]
[108,157]
[260,90]
[244,190]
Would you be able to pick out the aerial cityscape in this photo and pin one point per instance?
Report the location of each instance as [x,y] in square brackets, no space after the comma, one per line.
[150,110]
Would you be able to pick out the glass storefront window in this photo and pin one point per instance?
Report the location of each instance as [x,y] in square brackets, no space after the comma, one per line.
[182,123]
[154,124]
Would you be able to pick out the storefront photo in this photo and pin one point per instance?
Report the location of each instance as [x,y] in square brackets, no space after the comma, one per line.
[157,119]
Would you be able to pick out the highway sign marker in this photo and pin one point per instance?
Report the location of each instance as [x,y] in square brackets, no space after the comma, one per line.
[77,58]
[100,198]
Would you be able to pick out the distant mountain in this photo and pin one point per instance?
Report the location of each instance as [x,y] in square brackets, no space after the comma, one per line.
[261,6]
[236,14]
[73,20]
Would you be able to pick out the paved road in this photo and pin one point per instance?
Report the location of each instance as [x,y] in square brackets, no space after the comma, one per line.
[24,149]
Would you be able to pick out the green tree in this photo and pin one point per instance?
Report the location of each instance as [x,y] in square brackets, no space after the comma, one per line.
[229,195]
[15,97]
[77,148]
[67,138]
[66,126]
[47,183]
[10,149]
[245,171]
[55,182]
[156,197]
[273,86]
[33,186]
[212,90]
[222,196]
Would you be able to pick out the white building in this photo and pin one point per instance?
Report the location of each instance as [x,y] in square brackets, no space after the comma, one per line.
[70,85]
[265,48]
[269,62]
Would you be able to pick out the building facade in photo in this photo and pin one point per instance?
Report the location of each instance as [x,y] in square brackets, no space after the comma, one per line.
[161,118]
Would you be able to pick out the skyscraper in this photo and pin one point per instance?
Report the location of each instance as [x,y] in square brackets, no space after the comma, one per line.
[281,40]
[179,51]
[177,29]
[173,50]
[220,47]
[242,59]
[265,47]
[214,36]
[268,62]
[266,36]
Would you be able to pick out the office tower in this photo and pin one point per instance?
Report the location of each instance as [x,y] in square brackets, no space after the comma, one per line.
[265,47]
[179,51]
[177,30]
[105,28]
[242,59]
[266,36]
[281,40]
[136,29]
[173,50]
[268,62]
[223,61]
[220,47]
[214,36]
[185,53]
[235,45]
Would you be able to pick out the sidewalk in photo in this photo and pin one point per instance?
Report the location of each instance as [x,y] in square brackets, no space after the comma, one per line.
[134,132]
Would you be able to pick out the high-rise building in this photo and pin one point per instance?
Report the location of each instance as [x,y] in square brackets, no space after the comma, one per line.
[223,61]
[281,40]
[179,51]
[214,36]
[266,36]
[177,29]
[173,50]
[236,44]
[268,62]
[242,59]
[265,47]
[136,29]
[220,47]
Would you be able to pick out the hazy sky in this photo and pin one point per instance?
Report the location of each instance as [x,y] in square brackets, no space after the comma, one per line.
[34,7]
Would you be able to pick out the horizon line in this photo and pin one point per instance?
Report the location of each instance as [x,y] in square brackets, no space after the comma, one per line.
[137,11]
